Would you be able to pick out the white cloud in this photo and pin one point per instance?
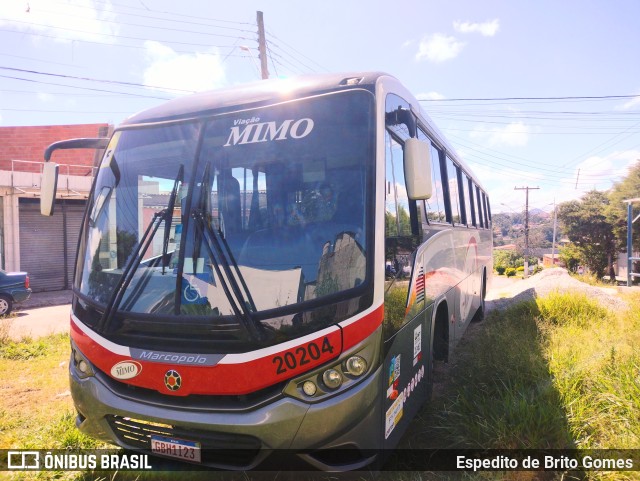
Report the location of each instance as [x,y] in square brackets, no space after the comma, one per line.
[631,104]
[45,97]
[65,22]
[169,70]
[515,134]
[612,166]
[499,182]
[486,29]
[430,96]
[439,47]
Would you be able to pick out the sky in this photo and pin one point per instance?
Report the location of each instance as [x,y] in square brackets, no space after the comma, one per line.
[541,94]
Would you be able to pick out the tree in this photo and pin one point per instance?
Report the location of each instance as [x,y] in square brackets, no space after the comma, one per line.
[507,258]
[571,256]
[628,188]
[586,225]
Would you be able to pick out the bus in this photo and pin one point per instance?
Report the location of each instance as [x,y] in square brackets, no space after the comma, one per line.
[272,267]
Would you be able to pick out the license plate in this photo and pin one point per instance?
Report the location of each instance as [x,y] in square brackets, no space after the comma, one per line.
[176,448]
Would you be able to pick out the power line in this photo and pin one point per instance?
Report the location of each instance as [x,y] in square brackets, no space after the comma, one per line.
[126,37]
[299,53]
[602,146]
[111,45]
[502,99]
[113,82]
[129,94]
[279,59]
[173,15]
[173,21]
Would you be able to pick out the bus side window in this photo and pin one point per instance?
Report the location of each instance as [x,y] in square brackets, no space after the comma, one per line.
[435,209]
[464,192]
[469,196]
[479,204]
[397,217]
[454,195]
[484,205]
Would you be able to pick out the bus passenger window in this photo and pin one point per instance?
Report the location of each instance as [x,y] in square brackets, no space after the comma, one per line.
[484,209]
[469,195]
[436,211]
[479,210]
[454,195]
[397,220]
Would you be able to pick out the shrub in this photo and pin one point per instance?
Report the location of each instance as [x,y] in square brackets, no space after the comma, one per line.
[500,270]
[510,272]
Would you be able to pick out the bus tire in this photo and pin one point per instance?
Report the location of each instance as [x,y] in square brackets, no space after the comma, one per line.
[482,308]
[441,334]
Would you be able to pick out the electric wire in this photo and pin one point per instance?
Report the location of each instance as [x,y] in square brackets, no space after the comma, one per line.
[128,94]
[128,37]
[298,53]
[112,82]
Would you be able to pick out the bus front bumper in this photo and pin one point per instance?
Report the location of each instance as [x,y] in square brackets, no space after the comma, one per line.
[348,423]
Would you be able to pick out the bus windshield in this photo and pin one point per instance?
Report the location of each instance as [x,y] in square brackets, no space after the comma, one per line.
[252,214]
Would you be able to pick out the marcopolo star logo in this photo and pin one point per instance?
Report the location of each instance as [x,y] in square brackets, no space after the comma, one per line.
[172,380]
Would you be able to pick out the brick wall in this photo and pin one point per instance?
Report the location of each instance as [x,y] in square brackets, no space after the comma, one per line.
[29,143]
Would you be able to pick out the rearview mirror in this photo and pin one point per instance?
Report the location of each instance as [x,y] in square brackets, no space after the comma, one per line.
[417,169]
[50,170]
[48,188]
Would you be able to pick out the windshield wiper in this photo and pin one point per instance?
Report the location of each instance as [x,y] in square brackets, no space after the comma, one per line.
[241,303]
[137,255]
[220,236]
[169,220]
[131,268]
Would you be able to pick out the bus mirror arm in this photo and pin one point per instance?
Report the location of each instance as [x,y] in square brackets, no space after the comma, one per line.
[91,143]
[417,169]
[49,183]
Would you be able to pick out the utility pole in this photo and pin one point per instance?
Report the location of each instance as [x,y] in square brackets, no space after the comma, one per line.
[555,226]
[262,47]
[526,228]
[630,258]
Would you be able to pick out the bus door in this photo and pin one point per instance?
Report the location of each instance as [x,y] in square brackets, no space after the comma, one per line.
[407,323]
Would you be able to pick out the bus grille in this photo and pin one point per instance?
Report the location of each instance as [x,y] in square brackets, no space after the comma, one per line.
[218,449]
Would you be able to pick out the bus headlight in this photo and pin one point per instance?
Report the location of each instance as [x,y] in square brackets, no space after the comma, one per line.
[356,366]
[339,375]
[309,388]
[332,378]
[82,365]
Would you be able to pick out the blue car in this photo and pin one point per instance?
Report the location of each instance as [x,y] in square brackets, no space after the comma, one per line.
[14,288]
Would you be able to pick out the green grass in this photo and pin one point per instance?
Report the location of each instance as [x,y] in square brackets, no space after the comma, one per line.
[596,367]
[24,349]
[501,394]
[556,372]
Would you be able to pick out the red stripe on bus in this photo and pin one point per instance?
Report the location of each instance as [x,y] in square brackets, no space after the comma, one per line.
[359,330]
[222,379]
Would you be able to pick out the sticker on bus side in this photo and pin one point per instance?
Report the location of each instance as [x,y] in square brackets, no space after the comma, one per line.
[393,415]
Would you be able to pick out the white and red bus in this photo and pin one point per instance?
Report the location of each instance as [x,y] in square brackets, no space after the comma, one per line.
[273,266]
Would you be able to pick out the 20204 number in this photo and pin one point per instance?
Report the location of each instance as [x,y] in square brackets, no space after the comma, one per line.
[302,355]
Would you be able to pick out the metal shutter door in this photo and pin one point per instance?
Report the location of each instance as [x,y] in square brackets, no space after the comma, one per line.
[73,221]
[42,246]
[48,244]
